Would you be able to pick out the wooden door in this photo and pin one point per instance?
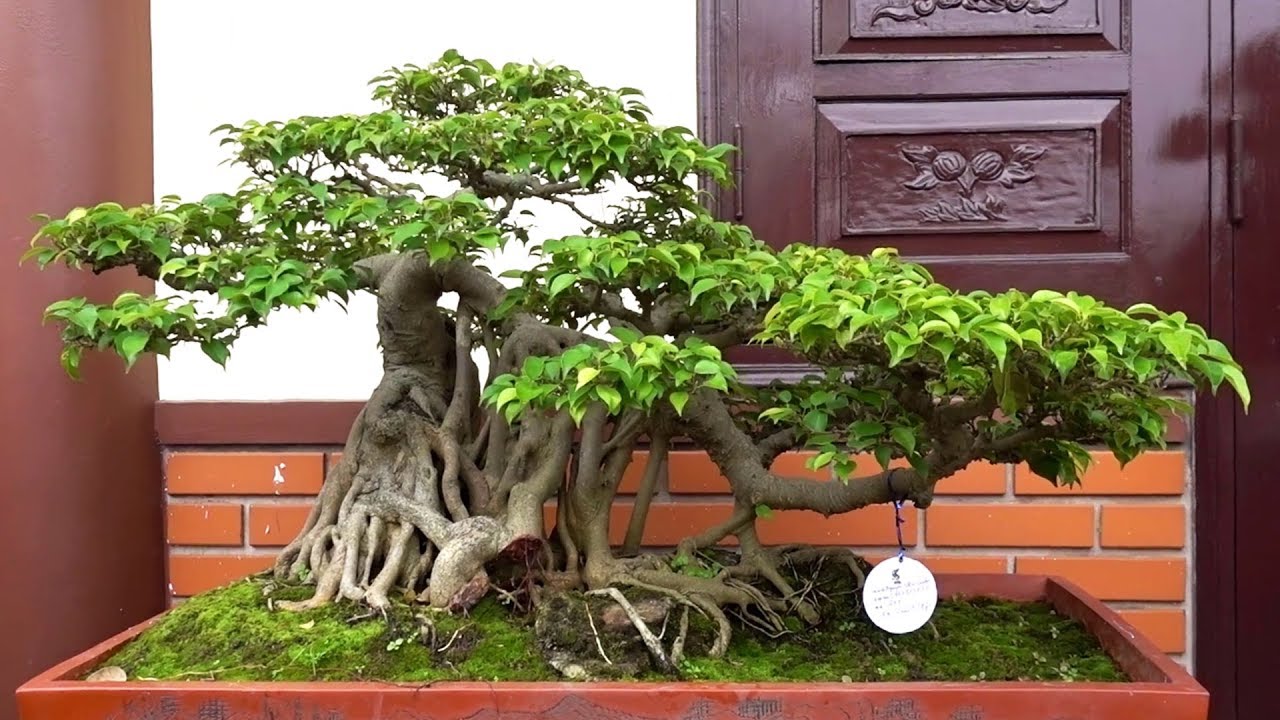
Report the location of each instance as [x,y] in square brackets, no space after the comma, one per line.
[1067,144]
[1007,143]
[1256,300]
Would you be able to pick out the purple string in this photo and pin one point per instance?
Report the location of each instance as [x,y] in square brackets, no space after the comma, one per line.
[897,516]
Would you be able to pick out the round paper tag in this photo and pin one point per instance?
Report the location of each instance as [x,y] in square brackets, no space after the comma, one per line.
[900,595]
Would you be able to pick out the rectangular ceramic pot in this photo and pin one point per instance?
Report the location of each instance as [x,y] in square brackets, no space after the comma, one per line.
[1160,688]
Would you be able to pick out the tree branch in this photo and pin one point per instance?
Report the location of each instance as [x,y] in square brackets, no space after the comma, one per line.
[1019,437]
[776,444]
[644,495]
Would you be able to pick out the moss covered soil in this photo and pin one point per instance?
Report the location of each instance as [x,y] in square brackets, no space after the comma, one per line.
[232,634]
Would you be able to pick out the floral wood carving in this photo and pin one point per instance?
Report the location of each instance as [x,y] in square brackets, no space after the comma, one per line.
[988,167]
[906,10]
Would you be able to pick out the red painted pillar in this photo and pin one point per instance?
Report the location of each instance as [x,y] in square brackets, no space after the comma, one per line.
[81,523]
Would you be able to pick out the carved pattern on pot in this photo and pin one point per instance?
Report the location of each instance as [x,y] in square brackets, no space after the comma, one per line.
[908,10]
[936,167]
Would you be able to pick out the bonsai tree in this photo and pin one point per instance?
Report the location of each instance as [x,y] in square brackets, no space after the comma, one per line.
[616,336]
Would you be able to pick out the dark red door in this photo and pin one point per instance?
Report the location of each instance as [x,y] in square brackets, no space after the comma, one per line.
[1257,343]
[1006,142]
[1070,144]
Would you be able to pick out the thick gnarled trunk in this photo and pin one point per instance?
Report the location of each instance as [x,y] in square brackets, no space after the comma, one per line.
[433,494]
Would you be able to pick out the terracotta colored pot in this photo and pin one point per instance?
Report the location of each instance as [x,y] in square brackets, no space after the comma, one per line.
[1160,688]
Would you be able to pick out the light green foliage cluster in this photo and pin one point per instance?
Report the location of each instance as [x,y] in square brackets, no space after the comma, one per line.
[1037,375]
[634,372]
[1095,373]
[710,267]
[291,235]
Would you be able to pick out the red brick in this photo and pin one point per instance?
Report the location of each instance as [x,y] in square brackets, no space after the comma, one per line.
[1155,473]
[795,464]
[950,563]
[1144,526]
[1009,526]
[980,478]
[276,524]
[670,522]
[634,473]
[204,524]
[244,473]
[1156,579]
[871,525]
[692,472]
[194,574]
[1166,628]
[965,564]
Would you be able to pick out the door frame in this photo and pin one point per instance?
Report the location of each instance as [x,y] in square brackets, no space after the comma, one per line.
[1214,553]
[1213,638]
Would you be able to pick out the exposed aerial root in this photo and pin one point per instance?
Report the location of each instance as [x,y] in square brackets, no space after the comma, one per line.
[651,641]
[803,555]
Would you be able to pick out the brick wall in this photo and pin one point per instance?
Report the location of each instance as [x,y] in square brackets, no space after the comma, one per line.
[1124,535]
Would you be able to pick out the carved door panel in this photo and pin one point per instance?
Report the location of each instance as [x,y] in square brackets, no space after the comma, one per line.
[1006,143]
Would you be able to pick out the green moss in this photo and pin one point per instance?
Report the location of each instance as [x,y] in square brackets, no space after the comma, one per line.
[230,634]
[976,640]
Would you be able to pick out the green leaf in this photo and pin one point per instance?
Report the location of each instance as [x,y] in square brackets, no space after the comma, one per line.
[409,230]
[216,350]
[1065,361]
[777,414]
[885,308]
[506,396]
[944,346]
[1006,330]
[533,366]
[864,429]
[586,375]
[821,460]
[172,266]
[702,286]
[85,318]
[625,334]
[560,282]
[884,455]
[816,420]
[930,326]
[678,399]
[1178,344]
[996,345]
[906,437]
[1144,309]
[1241,386]
[1117,338]
[901,347]
[71,361]
[1045,465]
[277,288]
[764,512]
[611,397]
[131,344]
[1100,355]
[949,315]
[707,367]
